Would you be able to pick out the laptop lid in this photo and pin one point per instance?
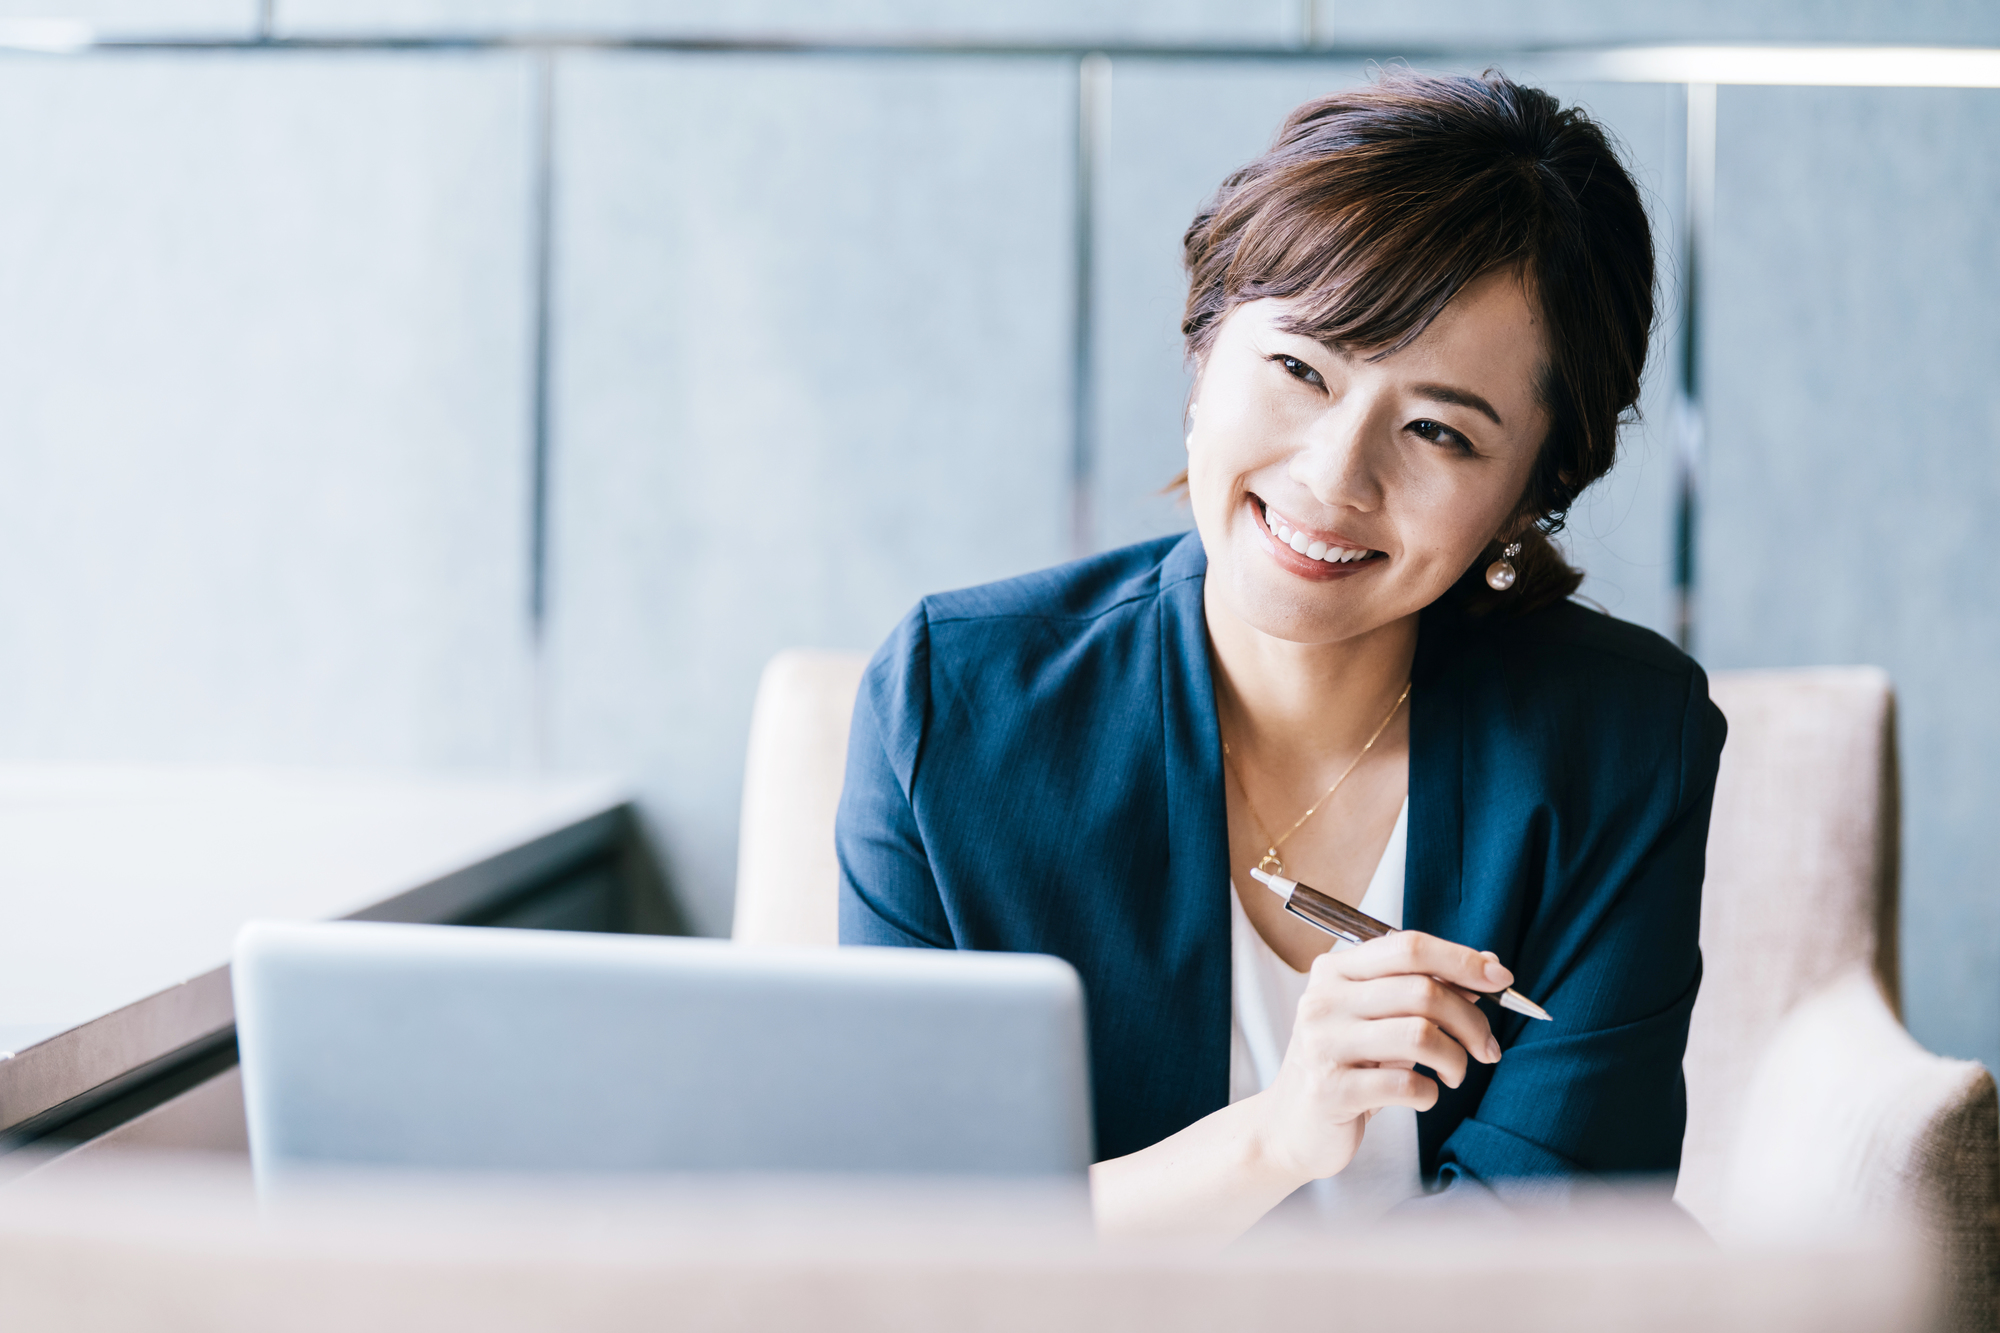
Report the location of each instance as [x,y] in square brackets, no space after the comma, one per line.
[451,1047]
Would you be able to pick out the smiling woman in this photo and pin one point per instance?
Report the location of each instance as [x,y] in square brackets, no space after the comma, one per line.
[1416,322]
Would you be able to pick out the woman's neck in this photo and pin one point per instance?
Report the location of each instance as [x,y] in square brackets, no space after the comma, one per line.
[1283,699]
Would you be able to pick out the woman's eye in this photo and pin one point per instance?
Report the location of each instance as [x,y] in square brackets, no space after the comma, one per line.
[1439,433]
[1300,369]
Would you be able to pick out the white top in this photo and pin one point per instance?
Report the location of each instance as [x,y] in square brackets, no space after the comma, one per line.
[1265,993]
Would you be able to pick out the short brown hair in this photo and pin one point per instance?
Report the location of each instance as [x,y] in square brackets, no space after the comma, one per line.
[1373,207]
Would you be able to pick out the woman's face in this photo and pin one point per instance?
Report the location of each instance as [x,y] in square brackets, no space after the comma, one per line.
[1390,474]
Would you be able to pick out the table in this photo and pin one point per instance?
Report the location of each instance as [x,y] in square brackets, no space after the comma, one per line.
[122,890]
[182,1243]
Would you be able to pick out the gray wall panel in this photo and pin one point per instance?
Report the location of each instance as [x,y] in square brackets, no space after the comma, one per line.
[1459,23]
[138,18]
[262,387]
[1173,131]
[1852,481]
[811,365]
[1261,21]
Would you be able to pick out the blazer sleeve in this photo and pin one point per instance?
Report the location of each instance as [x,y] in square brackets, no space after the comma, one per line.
[1600,1091]
[888,894]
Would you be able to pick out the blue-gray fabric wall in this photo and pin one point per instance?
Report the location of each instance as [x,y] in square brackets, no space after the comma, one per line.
[284,331]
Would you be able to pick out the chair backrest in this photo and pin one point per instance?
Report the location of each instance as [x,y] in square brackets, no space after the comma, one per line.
[787,878]
[1801,883]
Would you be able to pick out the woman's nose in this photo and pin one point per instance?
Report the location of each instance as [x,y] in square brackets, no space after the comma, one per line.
[1338,463]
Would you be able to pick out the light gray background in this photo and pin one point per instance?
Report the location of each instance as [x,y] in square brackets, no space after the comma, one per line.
[133,18]
[267,322]
[263,390]
[1178,21]
[1553,22]
[808,369]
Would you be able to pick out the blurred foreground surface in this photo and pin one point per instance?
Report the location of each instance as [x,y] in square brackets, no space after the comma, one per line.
[157,1242]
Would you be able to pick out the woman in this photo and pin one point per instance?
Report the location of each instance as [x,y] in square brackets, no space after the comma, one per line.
[1416,323]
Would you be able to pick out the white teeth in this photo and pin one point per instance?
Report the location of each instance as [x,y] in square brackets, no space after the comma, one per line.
[1307,546]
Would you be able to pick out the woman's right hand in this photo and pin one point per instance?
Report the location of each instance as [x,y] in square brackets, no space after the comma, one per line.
[1369,1016]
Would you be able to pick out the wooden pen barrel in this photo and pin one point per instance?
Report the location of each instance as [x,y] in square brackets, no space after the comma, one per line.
[1331,914]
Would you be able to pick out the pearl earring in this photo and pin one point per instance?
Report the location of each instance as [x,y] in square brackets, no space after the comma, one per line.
[1500,575]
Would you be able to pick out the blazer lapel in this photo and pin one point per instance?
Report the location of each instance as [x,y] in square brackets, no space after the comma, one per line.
[1434,870]
[1433,888]
[1197,819]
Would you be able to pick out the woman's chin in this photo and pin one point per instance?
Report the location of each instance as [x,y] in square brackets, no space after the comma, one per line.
[1297,611]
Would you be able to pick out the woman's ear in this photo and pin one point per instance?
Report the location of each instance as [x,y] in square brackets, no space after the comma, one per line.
[1517,525]
[1193,404]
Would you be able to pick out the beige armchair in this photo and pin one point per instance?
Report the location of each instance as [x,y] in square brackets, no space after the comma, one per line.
[1807,1102]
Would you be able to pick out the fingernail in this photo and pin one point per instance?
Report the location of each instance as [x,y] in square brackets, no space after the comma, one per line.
[1498,975]
[1492,1051]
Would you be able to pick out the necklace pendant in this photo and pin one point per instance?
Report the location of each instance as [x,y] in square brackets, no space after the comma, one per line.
[1270,864]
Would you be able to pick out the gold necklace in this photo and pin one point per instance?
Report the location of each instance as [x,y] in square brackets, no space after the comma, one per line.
[1269,862]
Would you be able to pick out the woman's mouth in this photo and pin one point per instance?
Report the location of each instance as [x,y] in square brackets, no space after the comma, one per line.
[1308,553]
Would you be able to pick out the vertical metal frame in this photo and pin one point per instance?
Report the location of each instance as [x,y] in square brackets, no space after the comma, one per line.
[1093,102]
[541,278]
[541,260]
[1697,231]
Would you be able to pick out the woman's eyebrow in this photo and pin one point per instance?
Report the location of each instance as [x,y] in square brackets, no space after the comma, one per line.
[1444,393]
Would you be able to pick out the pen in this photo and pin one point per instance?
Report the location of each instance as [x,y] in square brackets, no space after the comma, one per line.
[1353,925]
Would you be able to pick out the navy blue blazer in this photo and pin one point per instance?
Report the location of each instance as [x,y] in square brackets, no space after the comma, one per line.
[1035,766]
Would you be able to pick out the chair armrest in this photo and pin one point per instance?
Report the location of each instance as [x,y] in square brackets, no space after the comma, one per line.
[1848,1119]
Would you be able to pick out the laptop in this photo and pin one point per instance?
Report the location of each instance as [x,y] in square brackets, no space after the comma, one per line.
[456,1047]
